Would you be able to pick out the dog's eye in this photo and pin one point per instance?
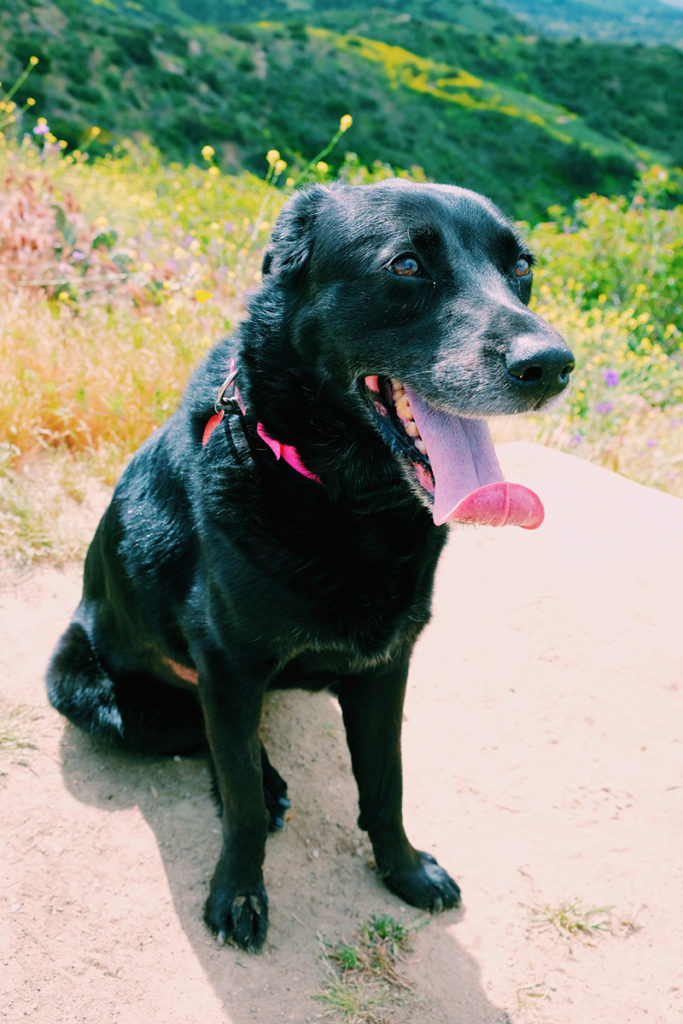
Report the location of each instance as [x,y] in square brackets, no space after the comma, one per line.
[405,266]
[523,266]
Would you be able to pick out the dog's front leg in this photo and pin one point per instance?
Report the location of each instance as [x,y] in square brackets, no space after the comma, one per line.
[372,705]
[237,905]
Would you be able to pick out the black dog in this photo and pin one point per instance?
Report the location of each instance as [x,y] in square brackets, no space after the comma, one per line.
[283,527]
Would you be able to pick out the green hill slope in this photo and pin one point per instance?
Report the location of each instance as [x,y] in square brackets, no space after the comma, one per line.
[530,122]
[630,21]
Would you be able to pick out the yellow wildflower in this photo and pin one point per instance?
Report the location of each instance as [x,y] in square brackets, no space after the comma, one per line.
[345,123]
[272,156]
[208,152]
[321,167]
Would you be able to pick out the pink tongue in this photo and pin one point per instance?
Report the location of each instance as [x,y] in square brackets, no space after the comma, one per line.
[468,481]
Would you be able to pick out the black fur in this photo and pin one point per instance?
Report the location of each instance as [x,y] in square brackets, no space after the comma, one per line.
[219,562]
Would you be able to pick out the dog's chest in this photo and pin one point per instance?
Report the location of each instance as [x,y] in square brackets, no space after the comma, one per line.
[350,630]
[366,594]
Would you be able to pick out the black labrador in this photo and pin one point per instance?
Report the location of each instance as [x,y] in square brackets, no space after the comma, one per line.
[282,528]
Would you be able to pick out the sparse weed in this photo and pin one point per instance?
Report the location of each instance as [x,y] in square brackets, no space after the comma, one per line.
[353,1002]
[366,973]
[15,729]
[571,919]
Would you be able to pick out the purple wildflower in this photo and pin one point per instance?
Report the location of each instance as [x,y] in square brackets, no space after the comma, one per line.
[41,129]
[611,378]
[604,407]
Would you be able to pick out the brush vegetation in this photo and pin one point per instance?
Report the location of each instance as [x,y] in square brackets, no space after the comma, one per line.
[118,271]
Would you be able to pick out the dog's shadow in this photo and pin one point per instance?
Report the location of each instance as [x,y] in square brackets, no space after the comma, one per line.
[317,872]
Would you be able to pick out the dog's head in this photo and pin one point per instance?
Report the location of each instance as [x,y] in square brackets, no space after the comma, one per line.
[414,299]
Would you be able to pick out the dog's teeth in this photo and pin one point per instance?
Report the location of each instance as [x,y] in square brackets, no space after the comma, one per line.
[410,427]
[421,446]
[403,408]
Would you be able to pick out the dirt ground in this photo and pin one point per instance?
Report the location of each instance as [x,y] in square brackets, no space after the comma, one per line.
[543,763]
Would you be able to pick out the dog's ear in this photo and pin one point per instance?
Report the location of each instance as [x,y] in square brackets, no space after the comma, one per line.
[291,242]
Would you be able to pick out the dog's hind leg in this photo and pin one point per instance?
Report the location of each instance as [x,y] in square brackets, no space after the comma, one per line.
[274,792]
[133,712]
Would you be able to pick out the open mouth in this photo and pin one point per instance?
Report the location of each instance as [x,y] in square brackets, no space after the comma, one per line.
[397,423]
[453,460]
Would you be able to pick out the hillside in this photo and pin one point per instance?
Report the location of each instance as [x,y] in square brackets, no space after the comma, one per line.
[631,21]
[530,121]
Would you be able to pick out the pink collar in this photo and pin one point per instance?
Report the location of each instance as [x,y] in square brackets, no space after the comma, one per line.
[281,451]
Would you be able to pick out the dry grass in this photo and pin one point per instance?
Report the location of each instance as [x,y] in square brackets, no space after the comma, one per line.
[50,507]
[91,378]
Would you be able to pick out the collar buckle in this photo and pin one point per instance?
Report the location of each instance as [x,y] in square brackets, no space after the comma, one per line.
[223,402]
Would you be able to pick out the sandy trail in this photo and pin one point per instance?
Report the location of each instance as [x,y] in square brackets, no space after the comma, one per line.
[543,766]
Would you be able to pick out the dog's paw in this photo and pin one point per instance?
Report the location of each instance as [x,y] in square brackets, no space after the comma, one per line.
[275,795]
[425,885]
[277,807]
[241,918]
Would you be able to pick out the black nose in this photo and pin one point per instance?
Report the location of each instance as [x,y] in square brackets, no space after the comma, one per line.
[539,368]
